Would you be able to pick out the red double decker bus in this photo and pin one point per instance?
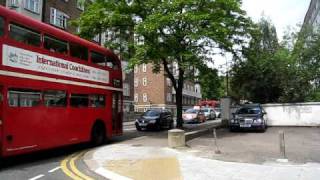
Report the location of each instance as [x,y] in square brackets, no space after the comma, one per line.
[56,89]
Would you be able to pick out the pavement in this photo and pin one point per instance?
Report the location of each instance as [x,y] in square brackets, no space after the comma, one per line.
[138,160]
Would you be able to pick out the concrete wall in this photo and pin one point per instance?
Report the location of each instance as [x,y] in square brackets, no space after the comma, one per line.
[295,114]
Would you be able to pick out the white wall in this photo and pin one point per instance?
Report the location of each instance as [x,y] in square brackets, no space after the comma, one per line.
[295,114]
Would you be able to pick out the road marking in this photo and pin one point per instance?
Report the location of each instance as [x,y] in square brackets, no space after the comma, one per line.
[75,169]
[64,167]
[37,177]
[54,169]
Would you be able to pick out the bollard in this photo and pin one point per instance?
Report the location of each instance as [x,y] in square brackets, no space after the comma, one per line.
[217,151]
[176,138]
[282,145]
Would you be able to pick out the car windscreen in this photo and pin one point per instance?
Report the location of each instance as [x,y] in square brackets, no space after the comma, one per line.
[205,110]
[249,110]
[192,111]
[151,113]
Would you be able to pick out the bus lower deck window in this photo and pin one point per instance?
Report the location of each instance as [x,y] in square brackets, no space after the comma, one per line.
[24,35]
[97,100]
[24,98]
[55,45]
[79,100]
[53,98]
[1,26]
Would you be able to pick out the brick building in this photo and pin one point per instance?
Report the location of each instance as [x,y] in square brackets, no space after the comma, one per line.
[31,8]
[156,90]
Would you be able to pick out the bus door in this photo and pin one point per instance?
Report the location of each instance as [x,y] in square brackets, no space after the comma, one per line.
[116,113]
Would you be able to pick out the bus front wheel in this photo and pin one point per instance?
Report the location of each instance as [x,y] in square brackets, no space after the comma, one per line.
[98,135]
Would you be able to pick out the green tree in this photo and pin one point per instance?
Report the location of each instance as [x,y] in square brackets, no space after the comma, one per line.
[260,75]
[170,31]
[211,84]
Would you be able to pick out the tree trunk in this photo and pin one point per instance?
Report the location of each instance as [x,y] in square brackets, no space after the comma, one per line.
[179,108]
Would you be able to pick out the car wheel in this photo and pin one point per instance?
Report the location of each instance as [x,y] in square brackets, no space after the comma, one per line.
[138,128]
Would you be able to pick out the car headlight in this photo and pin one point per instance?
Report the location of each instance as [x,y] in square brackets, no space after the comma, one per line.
[259,120]
[233,121]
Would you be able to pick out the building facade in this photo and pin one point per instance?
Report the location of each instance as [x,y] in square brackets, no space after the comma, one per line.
[59,13]
[312,17]
[31,8]
[156,91]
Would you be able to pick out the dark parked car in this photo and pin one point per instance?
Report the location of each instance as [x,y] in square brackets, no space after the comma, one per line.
[251,116]
[155,119]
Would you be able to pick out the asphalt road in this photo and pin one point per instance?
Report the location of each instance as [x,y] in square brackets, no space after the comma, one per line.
[55,164]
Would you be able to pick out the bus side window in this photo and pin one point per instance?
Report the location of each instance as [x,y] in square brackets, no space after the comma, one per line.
[1,26]
[98,58]
[97,100]
[78,51]
[79,100]
[25,35]
[24,98]
[53,98]
[55,45]
[111,63]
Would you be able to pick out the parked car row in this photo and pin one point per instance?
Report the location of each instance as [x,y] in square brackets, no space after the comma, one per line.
[199,115]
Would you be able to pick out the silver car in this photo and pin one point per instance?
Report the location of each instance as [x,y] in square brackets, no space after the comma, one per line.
[209,113]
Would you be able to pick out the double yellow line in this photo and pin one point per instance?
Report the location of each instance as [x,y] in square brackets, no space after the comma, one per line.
[68,166]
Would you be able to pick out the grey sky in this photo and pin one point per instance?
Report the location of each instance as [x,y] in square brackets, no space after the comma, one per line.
[283,13]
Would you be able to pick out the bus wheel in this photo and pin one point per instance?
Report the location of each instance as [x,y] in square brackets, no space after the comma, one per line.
[98,135]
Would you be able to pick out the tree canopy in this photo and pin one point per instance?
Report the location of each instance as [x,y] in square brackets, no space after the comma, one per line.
[169,31]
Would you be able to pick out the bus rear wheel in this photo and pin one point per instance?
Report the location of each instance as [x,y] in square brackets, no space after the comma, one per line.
[98,135]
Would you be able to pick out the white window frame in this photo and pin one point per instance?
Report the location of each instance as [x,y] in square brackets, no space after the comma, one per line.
[136,97]
[35,7]
[136,82]
[144,68]
[144,81]
[136,69]
[145,97]
[56,17]
[80,5]
[126,89]
[169,97]
[13,3]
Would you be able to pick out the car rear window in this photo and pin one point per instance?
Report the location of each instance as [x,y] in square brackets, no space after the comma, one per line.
[151,113]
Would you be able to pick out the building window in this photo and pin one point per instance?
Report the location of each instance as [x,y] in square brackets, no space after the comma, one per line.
[145,97]
[126,89]
[144,68]
[136,69]
[58,18]
[13,3]
[32,5]
[80,5]
[169,82]
[169,97]
[136,82]
[136,97]
[144,81]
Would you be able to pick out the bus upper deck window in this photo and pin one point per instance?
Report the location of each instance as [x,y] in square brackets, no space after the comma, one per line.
[1,26]
[25,35]
[98,58]
[55,45]
[112,63]
[78,51]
